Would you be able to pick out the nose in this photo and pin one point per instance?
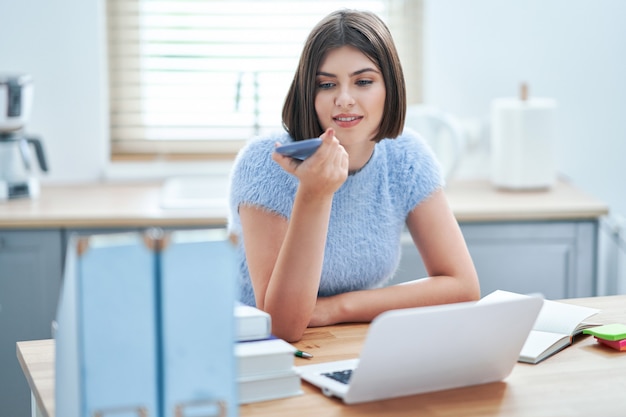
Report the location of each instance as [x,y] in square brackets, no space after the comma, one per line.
[344,98]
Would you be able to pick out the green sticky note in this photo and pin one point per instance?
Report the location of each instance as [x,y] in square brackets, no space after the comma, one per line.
[616,331]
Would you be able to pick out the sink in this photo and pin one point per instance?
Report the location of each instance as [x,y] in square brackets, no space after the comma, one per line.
[194,192]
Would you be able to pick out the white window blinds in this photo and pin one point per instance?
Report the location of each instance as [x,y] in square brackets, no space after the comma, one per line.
[204,76]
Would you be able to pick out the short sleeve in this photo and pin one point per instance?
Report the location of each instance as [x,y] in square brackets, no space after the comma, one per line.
[257,180]
[419,173]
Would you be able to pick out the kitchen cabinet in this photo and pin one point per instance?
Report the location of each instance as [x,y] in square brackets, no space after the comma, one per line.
[30,279]
[555,258]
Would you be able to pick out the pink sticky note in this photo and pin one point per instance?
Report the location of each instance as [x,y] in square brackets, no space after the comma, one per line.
[615,344]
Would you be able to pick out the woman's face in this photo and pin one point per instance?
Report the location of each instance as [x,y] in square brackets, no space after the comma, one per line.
[350,95]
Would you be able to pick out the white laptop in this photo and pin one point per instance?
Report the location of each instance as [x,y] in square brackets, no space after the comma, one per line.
[417,350]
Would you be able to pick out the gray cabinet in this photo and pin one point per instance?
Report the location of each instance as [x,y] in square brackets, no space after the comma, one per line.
[557,259]
[30,279]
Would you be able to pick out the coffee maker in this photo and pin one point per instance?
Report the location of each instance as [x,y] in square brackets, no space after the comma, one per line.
[17,169]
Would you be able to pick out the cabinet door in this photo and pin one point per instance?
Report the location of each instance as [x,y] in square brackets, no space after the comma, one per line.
[523,265]
[30,277]
[556,259]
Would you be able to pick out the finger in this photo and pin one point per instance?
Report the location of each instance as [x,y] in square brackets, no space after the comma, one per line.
[328,135]
[287,163]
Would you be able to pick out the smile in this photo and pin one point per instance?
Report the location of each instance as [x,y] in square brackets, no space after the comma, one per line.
[346,119]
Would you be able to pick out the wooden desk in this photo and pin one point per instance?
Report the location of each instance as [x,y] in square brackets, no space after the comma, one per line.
[583,380]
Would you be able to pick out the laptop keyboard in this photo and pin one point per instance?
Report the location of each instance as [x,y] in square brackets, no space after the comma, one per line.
[341,376]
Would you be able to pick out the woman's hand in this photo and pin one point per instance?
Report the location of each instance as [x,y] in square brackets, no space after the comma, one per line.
[323,172]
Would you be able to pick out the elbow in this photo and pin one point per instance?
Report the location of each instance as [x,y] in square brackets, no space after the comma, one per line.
[466,289]
[288,327]
[472,289]
[290,334]
[292,338]
[289,318]
[474,295]
[464,296]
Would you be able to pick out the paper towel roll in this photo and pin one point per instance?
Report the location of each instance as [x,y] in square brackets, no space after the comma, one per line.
[522,142]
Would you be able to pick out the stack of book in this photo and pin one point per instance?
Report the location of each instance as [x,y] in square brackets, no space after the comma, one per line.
[611,335]
[265,364]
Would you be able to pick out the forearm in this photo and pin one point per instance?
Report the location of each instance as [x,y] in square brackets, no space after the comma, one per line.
[292,290]
[365,305]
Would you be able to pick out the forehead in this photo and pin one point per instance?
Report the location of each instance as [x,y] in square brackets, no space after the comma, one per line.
[345,59]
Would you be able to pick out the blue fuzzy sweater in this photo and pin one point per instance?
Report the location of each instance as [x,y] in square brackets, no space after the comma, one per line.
[368,212]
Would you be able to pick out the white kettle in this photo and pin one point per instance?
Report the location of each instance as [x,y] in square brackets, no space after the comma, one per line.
[442,132]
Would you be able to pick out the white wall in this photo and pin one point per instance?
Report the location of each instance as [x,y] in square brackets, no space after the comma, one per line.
[61,44]
[572,50]
[475,51]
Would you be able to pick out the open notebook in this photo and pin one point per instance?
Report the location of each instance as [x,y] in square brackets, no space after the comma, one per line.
[555,328]
[416,350]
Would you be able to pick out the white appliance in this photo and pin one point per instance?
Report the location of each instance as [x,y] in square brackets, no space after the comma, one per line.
[442,131]
[523,133]
[17,170]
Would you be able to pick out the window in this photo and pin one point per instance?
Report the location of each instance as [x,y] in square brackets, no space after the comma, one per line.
[200,77]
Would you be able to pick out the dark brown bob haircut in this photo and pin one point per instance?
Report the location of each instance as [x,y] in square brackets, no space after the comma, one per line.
[366,32]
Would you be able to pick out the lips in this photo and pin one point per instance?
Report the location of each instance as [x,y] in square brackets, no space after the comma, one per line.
[347,120]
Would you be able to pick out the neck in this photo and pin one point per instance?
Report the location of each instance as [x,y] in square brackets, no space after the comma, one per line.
[359,156]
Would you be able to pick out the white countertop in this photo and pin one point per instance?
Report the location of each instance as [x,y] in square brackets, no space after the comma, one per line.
[141,205]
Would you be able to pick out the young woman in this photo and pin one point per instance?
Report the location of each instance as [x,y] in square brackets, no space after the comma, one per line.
[319,238]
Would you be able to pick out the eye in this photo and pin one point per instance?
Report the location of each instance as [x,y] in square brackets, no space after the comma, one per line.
[325,85]
[364,83]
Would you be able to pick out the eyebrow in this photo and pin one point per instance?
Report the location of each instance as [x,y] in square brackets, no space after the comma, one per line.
[359,72]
